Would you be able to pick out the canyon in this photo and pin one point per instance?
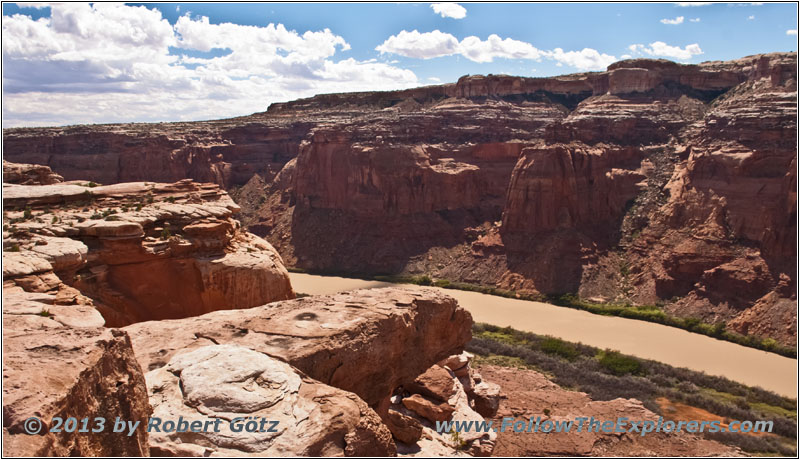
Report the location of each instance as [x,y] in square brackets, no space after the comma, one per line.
[359,373]
[650,183]
[145,265]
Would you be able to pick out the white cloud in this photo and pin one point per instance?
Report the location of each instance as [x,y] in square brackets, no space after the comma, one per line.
[435,44]
[625,56]
[676,21]
[420,45]
[684,4]
[661,49]
[586,59]
[112,63]
[449,10]
[434,79]
[694,20]
[475,49]
[751,17]
[791,32]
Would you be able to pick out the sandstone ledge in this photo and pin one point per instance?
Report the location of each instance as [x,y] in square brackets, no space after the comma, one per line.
[366,341]
[139,251]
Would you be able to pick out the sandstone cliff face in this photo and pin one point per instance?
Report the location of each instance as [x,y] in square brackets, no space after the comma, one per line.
[726,234]
[539,184]
[560,186]
[137,251]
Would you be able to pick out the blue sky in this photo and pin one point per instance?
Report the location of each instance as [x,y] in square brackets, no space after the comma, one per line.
[90,63]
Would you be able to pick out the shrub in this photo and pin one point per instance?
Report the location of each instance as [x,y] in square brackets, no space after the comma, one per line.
[687,387]
[554,346]
[691,323]
[619,364]
[769,343]
[423,280]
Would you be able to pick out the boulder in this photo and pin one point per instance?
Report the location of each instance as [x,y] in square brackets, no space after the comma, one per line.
[487,398]
[54,371]
[429,408]
[435,383]
[404,428]
[358,341]
[226,382]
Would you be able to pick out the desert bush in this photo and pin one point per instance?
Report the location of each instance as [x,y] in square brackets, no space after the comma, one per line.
[554,346]
[619,364]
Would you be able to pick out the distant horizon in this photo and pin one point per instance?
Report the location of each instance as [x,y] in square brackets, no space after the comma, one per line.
[377,91]
[76,64]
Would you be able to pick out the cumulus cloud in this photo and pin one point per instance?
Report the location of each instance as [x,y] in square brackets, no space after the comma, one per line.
[751,17]
[100,62]
[694,20]
[685,4]
[586,59]
[420,45]
[661,49]
[676,21]
[475,49]
[435,44]
[791,32]
[449,10]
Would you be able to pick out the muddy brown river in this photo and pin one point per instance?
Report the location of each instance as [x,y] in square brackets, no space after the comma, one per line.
[669,345]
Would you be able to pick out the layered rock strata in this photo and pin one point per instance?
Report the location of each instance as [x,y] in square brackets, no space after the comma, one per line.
[137,251]
[652,182]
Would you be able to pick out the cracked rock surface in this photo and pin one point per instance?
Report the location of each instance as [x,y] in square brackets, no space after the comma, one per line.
[232,381]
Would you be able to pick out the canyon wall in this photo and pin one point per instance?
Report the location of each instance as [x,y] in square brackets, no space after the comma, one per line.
[652,182]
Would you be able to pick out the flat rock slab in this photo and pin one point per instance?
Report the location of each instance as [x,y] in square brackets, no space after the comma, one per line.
[230,382]
[367,341]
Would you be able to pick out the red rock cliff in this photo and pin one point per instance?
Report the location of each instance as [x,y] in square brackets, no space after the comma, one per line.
[638,184]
